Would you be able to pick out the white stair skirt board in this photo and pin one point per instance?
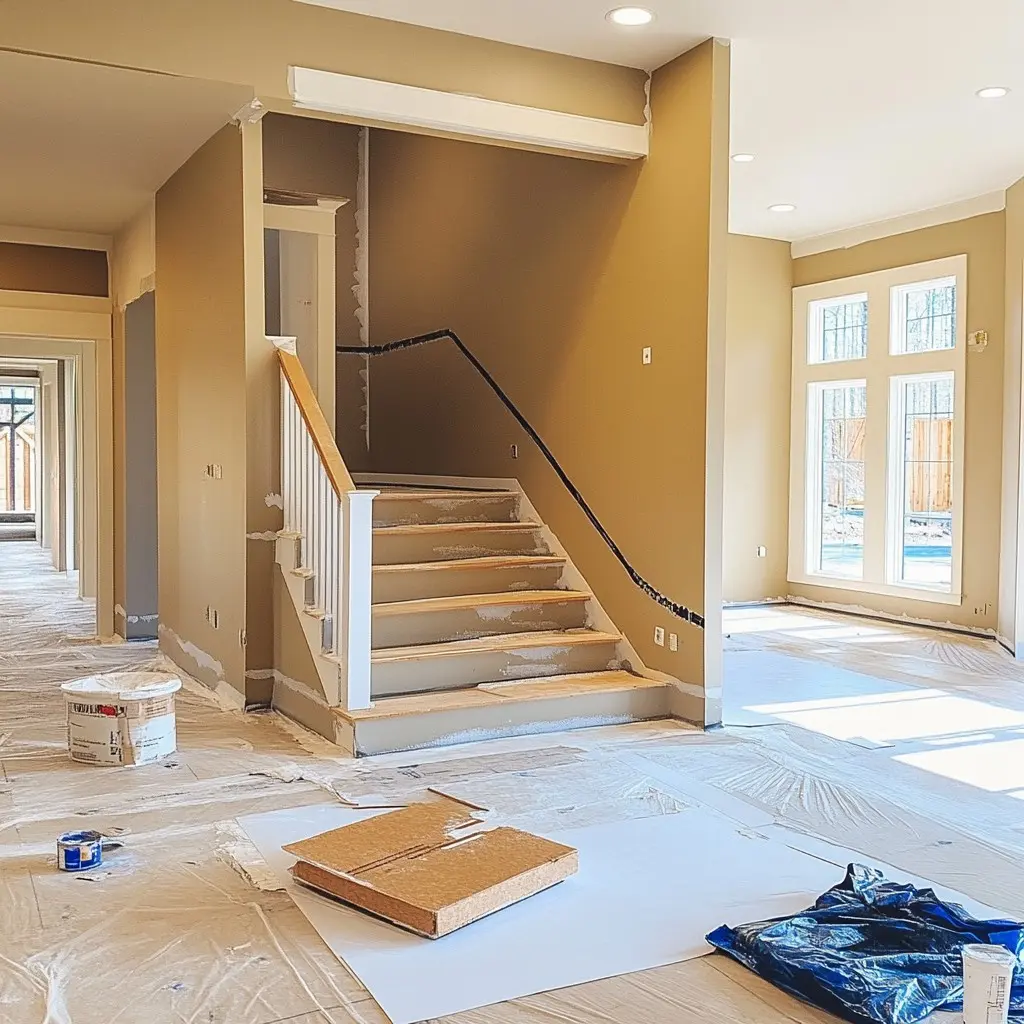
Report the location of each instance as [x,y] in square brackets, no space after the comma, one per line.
[368,99]
[647,892]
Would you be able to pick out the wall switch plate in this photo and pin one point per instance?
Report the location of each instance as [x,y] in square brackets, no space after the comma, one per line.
[762,552]
[647,356]
[673,641]
[659,635]
[514,451]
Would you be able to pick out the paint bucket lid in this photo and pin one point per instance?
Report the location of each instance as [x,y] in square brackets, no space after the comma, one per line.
[122,686]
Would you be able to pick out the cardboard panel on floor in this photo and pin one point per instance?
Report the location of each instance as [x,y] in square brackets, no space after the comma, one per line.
[647,892]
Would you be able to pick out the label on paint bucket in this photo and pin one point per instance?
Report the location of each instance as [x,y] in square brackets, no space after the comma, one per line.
[79,851]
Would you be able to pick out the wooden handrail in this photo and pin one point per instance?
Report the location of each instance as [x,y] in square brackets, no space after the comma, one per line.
[316,423]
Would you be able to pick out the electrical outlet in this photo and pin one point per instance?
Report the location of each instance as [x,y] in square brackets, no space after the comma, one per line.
[659,635]
[673,641]
[762,552]
[514,451]
[648,356]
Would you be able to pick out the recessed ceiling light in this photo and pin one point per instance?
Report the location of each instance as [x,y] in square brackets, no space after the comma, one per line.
[743,158]
[631,16]
[781,208]
[993,92]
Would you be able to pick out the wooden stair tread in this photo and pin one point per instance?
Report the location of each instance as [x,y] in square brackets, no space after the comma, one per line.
[414,495]
[493,694]
[495,644]
[484,562]
[424,529]
[469,602]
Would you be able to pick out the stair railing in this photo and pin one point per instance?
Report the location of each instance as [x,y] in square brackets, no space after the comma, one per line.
[678,610]
[335,522]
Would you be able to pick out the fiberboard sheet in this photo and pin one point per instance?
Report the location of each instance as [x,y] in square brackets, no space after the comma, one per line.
[647,892]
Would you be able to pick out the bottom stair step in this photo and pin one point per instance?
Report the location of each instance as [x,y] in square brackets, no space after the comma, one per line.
[495,710]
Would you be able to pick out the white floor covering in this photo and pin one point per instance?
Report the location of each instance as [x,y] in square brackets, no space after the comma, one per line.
[177,928]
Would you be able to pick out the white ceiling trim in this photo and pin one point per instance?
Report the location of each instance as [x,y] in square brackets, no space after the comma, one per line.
[471,117]
[59,239]
[990,202]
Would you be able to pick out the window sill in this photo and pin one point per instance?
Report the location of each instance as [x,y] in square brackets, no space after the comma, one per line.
[922,594]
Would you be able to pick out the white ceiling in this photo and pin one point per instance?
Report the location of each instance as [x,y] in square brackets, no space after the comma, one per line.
[857,110]
[84,146]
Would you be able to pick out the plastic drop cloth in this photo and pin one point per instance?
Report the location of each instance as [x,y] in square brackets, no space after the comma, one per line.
[872,951]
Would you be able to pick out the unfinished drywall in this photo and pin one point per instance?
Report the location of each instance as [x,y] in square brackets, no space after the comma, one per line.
[557,273]
[983,240]
[758,355]
[132,274]
[140,470]
[302,154]
[201,412]
[254,46]
[54,269]
[1010,625]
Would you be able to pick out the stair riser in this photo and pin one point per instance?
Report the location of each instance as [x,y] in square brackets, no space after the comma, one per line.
[457,671]
[440,728]
[405,549]
[469,623]
[471,509]
[414,584]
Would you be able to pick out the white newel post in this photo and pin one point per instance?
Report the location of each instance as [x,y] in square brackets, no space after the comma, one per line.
[356,584]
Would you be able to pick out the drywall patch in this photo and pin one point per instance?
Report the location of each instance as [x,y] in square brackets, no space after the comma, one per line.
[120,612]
[274,501]
[223,690]
[268,535]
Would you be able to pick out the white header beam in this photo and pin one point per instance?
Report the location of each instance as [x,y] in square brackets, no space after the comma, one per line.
[471,117]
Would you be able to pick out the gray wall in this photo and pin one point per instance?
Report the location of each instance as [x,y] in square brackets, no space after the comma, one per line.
[140,469]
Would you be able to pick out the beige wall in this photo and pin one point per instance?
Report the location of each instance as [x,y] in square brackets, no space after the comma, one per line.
[201,411]
[556,273]
[254,44]
[1010,626]
[45,268]
[322,158]
[983,240]
[757,400]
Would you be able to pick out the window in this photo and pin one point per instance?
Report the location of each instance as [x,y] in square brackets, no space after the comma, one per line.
[923,429]
[924,316]
[877,439]
[17,449]
[840,411]
[839,329]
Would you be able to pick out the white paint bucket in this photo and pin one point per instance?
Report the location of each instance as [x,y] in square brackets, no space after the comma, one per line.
[121,718]
[988,974]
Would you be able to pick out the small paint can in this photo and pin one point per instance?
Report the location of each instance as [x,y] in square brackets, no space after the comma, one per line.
[79,851]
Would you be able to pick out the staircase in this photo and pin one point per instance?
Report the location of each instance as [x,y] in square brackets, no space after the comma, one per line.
[479,626]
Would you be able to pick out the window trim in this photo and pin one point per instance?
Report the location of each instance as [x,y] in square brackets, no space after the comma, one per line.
[878,369]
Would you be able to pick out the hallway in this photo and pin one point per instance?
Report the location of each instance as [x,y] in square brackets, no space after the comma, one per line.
[182,924]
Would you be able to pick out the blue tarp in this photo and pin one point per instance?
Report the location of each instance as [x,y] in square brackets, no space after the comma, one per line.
[872,951]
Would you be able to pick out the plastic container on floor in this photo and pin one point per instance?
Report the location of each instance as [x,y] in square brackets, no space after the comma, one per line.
[121,718]
[988,978]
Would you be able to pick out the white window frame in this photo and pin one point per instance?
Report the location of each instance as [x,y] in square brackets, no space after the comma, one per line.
[883,458]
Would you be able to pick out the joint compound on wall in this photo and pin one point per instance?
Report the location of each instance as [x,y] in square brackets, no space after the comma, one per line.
[223,690]
[274,501]
[265,535]
[361,287]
